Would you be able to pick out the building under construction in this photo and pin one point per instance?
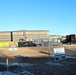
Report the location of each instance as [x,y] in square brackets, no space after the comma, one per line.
[23,35]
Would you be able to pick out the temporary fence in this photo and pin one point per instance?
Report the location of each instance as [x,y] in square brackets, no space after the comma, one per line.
[6,44]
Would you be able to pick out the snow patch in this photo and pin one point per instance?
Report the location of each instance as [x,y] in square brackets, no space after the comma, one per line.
[7,73]
[22,64]
[74,57]
[26,73]
[18,73]
[18,64]
[10,73]
[54,64]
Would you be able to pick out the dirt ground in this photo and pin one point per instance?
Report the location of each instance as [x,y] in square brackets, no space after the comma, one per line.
[40,57]
[36,51]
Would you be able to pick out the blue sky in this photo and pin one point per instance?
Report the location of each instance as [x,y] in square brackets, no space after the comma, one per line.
[57,16]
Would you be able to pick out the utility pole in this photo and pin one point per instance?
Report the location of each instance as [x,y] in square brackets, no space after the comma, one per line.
[49,48]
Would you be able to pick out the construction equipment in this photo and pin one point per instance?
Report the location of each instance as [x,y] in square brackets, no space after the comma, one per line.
[70,39]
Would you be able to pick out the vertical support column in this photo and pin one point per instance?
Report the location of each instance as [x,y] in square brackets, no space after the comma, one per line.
[11,36]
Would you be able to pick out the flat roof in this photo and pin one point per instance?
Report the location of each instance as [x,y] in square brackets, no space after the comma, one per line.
[24,31]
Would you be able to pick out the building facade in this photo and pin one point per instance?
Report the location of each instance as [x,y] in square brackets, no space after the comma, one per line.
[55,36]
[23,35]
[5,36]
